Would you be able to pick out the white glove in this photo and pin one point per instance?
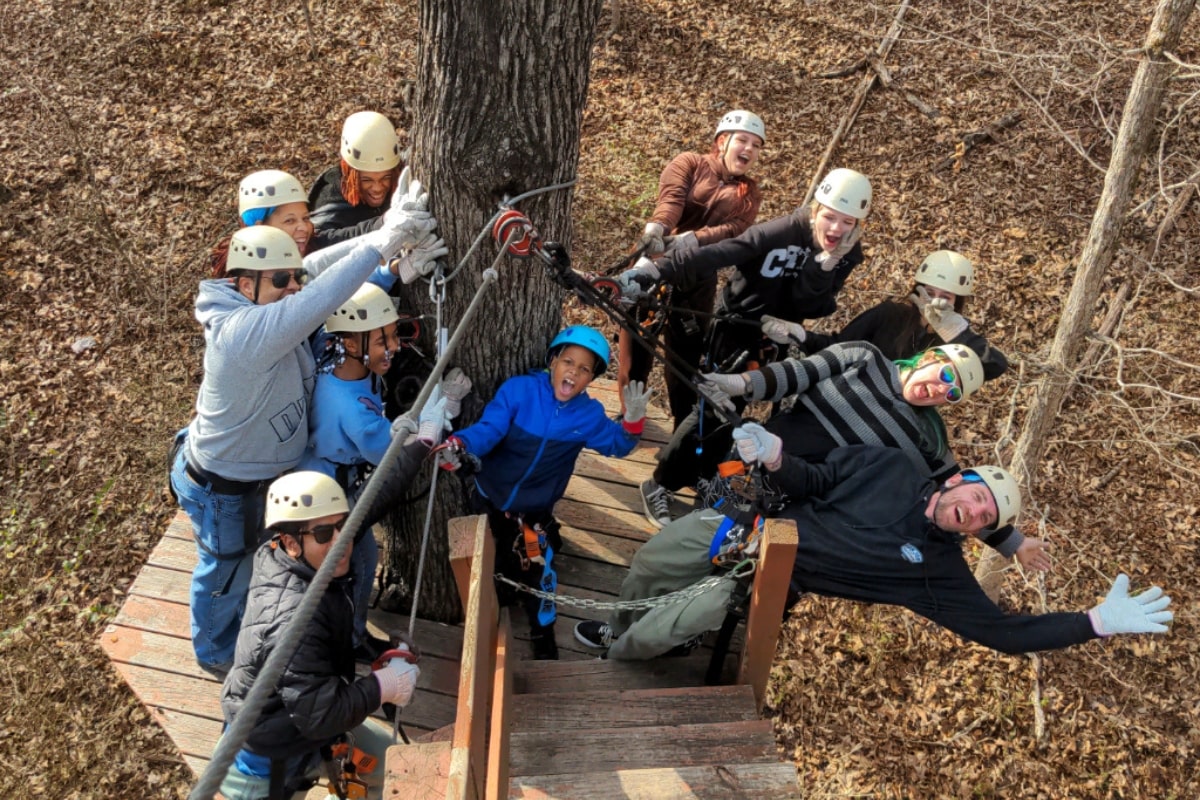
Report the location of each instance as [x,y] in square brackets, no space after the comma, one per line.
[433,418]
[406,222]
[781,331]
[940,314]
[1120,613]
[421,260]
[455,386]
[397,681]
[652,239]
[848,240]
[715,395]
[681,241]
[635,282]
[637,397]
[731,385]
[755,445]
[403,425]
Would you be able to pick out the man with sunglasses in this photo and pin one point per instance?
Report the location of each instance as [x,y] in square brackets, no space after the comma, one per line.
[874,529]
[318,698]
[251,422]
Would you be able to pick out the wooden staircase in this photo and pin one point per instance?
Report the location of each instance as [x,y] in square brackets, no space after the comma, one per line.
[634,732]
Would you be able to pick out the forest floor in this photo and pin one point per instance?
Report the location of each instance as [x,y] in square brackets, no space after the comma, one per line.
[125,127]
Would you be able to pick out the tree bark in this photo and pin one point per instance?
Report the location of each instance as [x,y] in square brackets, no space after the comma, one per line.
[498,108]
[1129,149]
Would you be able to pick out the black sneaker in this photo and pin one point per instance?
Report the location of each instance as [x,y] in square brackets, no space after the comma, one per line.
[544,646]
[656,501]
[370,649]
[594,633]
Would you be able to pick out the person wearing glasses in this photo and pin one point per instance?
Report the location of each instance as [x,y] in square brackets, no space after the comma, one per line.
[847,394]
[873,529]
[251,420]
[349,433]
[319,699]
[932,314]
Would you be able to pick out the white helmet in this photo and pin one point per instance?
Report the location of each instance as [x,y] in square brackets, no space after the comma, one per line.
[301,496]
[370,308]
[369,142]
[845,191]
[261,247]
[1004,489]
[269,188]
[741,120]
[966,363]
[948,270]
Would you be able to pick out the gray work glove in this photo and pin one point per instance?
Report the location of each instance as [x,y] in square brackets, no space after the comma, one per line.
[421,259]
[730,385]
[638,280]
[756,445]
[714,394]
[1120,613]
[406,222]
[397,681]
[432,420]
[781,331]
[681,241]
[830,260]
[637,397]
[455,386]
[652,240]
[404,425]
[940,314]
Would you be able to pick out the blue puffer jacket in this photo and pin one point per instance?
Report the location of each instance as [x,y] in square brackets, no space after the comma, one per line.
[528,441]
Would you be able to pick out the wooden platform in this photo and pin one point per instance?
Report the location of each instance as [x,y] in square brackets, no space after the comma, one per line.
[150,645]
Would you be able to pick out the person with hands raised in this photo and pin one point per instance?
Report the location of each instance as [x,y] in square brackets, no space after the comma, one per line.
[521,453]
[319,698]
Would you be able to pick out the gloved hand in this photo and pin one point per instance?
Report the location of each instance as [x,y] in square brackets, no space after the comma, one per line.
[652,238]
[421,260]
[637,396]
[756,445]
[830,260]
[715,395]
[397,681]
[403,425]
[681,241]
[940,314]
[781,331]
[406,222]
[731,385]
[452,454]
[433,418]
[635,282]
[455,386]
[1120,613]
[1032,555]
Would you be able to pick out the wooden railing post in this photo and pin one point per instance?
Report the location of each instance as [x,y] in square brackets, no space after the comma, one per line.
[765,615]
[497,767]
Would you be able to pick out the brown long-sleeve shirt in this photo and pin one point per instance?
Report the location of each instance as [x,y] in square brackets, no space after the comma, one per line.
[696,193]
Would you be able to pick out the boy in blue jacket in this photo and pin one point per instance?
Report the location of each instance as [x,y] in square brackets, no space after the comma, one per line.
[523,451]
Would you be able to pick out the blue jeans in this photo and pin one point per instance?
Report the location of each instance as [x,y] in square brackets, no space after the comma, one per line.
[221,579]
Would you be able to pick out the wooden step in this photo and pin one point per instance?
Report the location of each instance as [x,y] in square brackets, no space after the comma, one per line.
[538,677]
[767,781]
[634,708]
[604,749]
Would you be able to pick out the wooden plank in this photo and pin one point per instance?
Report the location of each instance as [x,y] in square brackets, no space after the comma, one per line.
[463,533]
[634,708]
[496,782]
[595,575]
[194,736]
[607,494]
[530,677]
[631,524]
[765,615]
[761,781]
[603,749]
[601,547]
[417,771]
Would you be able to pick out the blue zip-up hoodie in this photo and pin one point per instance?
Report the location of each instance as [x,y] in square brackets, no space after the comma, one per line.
[528,441]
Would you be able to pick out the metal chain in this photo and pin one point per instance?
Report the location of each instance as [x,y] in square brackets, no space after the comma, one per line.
[742,570]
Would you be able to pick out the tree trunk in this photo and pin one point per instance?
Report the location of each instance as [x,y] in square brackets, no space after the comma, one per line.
[498,109]
[1133,138]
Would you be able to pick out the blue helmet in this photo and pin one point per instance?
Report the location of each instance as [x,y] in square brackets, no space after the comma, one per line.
[587,338]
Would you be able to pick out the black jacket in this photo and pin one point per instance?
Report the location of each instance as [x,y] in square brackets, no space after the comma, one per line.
[898,329]
[864,536]
[777,272]
[333,218]
[318,697]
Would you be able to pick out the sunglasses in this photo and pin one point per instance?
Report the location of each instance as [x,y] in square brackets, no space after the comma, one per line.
[322,534]
[280,280]
[948,375]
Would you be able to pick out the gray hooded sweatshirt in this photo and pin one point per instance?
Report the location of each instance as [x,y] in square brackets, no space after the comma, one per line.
[251,419]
